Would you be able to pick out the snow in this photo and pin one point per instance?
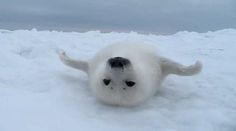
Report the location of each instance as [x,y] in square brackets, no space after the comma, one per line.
[39,93]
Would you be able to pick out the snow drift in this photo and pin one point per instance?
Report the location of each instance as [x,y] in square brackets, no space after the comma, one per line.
[37,92]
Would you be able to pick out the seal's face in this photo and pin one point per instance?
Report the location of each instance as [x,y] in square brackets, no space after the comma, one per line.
[119,74]
[120,81]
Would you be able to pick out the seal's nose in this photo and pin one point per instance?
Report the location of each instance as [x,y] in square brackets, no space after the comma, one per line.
[118,62]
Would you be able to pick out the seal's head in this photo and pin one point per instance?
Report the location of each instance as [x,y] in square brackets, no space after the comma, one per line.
[122,81]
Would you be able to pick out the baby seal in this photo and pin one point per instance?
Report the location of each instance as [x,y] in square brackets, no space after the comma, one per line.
[127,74]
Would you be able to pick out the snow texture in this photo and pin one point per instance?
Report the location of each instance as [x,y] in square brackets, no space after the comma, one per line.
[39,93]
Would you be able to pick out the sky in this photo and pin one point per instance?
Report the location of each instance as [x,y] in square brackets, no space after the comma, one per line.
[147,16]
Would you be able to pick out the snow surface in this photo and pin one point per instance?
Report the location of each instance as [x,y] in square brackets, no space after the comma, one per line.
[39,93]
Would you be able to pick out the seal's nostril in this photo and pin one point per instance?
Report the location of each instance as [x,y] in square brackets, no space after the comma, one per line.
[118,62]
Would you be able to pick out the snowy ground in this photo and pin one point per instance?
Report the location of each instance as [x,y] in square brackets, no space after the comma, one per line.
[39,93]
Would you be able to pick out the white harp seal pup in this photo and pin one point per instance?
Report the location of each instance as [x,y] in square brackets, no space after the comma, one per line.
[127,74]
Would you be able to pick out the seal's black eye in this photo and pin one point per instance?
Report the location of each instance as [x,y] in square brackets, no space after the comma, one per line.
[106,81]
[130,83]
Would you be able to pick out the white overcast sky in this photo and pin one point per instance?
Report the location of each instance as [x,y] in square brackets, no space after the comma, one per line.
[156,16]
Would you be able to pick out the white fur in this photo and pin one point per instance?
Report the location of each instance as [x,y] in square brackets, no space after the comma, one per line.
[148,69]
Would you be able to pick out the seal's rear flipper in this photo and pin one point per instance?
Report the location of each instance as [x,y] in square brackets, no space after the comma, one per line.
[77,64]
[171,67]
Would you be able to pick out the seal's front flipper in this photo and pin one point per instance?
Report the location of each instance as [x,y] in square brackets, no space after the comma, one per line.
[77,64]
[170,67]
